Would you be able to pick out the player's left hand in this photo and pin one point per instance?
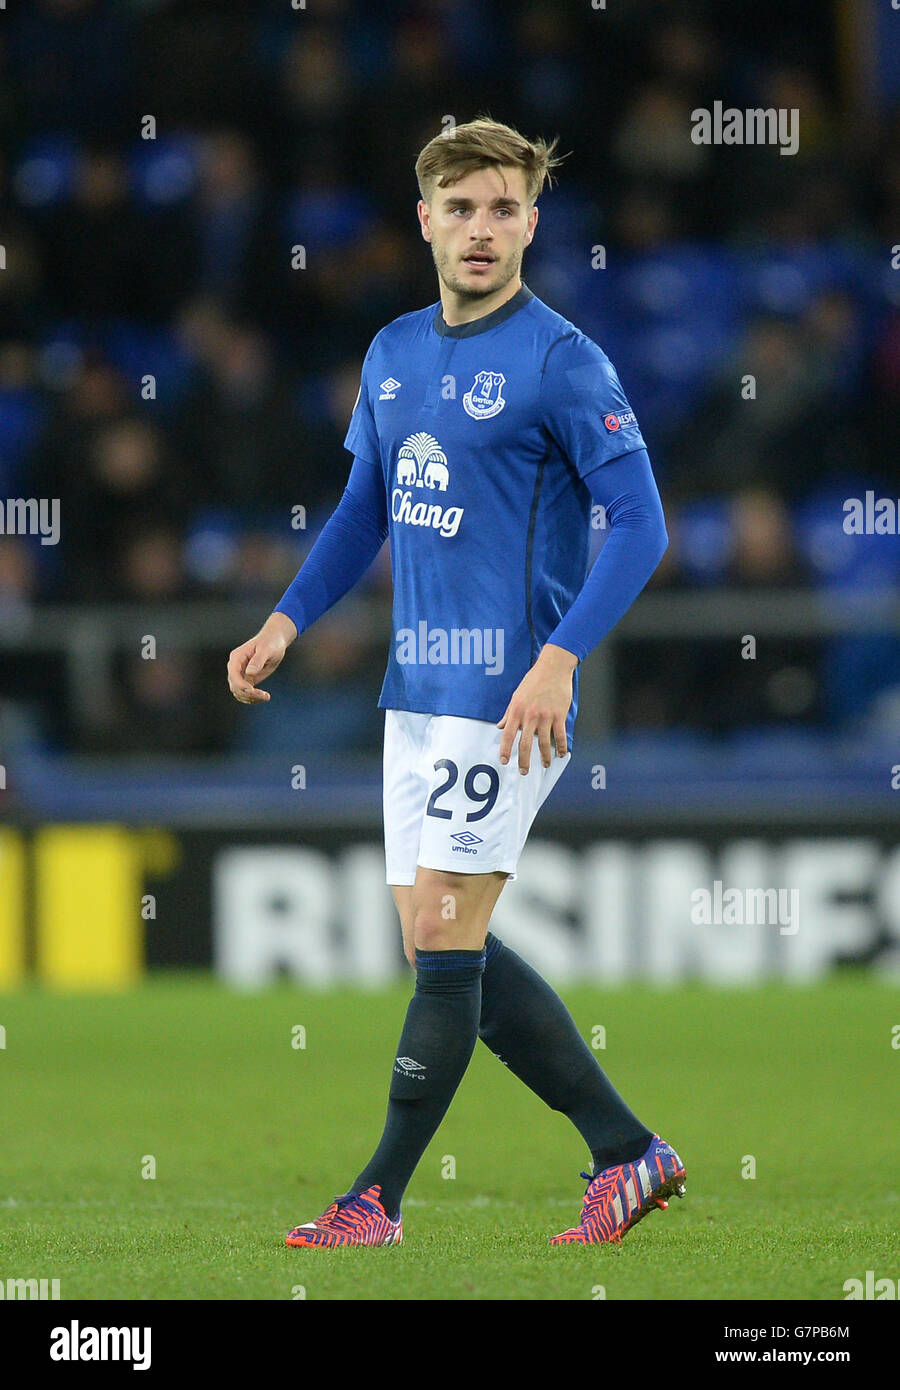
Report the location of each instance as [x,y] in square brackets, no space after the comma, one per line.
[539,707]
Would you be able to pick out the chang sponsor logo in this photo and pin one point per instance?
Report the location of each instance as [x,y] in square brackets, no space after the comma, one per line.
[422,463]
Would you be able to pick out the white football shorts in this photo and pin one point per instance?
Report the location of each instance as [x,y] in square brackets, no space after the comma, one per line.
[448,802]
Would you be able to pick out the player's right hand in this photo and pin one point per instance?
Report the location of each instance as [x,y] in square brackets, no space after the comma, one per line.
[255,661]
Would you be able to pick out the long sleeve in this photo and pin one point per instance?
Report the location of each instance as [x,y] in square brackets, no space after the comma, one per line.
[637,540]
[346,547]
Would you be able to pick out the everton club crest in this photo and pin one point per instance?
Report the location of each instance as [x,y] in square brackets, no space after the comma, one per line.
[485,398]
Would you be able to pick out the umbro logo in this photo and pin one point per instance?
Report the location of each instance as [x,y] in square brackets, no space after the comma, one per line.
[389,389]
[465,843]
[410,1066]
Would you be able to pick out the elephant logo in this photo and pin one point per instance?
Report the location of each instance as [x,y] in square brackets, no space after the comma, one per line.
[484,398]
[421,462]
[406,471]
[437,473]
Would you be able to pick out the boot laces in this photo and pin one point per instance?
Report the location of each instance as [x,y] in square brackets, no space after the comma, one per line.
[348,1213]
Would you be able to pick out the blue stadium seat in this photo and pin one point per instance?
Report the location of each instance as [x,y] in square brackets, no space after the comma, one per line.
[139,350]
[43,174]
[865,569]
[826,549]
[210,545]
[677,283]
[327,218]
[786,281]
[666,318]
[705,540]
[164,171]
[22,414]
[839,559]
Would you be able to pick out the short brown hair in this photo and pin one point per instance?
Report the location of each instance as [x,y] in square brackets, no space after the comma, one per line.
[483,144]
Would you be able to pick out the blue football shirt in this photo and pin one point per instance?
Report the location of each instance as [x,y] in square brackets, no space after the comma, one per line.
[484,434]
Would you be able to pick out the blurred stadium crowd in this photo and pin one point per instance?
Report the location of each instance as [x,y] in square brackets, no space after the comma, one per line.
[172,258]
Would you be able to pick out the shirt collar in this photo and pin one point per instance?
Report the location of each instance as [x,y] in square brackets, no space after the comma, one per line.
[485,324]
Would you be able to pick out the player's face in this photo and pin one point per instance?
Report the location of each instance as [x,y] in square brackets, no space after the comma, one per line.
[478,229]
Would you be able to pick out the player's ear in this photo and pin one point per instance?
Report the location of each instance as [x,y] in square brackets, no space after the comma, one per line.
[532,224]
[424,212]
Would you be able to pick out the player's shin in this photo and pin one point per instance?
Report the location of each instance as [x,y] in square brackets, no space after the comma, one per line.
[526,1024]
[436,1045]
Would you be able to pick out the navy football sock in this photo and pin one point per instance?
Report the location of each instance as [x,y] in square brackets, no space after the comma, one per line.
[436,1045]
[526,1024]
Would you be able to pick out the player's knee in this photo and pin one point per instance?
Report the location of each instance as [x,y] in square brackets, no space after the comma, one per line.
[433,932]
[435,914]
[445,912]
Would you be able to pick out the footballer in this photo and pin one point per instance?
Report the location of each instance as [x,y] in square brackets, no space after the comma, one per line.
[486,428]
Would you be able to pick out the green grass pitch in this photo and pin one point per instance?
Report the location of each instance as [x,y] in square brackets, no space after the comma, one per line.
[251,1134]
